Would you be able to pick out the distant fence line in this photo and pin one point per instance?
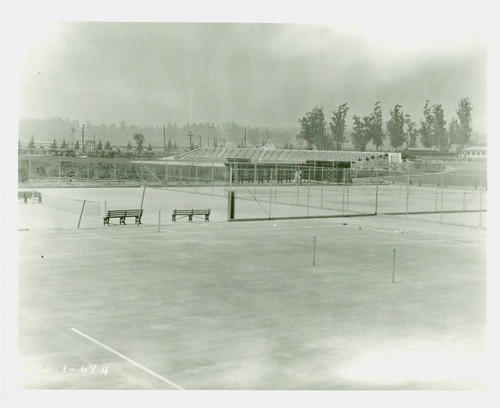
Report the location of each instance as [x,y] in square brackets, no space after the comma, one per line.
[57,168]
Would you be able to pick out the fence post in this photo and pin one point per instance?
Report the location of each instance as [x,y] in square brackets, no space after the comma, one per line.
[212,178]
[270,190]
[408,192]
[442,195]
[480,204]
[376,194]
[314,250]
[343,190]
[308,195]
[393,264]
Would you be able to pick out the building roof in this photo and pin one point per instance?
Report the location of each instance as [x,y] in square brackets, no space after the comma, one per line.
[475,149]
[259,155]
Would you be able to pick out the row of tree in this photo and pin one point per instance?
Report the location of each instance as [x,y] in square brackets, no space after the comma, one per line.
[234,133]
[401,130]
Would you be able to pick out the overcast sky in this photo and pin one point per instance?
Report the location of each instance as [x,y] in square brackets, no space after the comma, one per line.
[254,74]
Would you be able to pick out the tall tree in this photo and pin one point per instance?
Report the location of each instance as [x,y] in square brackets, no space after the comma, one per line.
[338,126]
[454,132]
[411,132]
[139,141]
[440,135]
[77,145]
[395,127]
[63,144]
[31,144]
[99,146]
[313,129]
[107,146]
[129,146]
[376,130]
[360,135]
[465,122]
[426,126]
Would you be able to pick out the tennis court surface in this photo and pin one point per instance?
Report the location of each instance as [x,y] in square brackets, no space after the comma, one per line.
[223,305]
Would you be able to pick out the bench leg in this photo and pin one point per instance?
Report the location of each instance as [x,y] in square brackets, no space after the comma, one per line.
[206,218]
[106,221]
[190,219]
[173,218]
[122,220]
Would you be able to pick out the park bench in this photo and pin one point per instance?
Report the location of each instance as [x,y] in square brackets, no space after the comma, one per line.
[190,213]
[122,215]
[29,194]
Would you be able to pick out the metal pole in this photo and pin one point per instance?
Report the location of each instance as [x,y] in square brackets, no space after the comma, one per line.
[321,204]
[115,169]
[343,190]
[314,250]
[276,184]
[255,180]
[298,185]
[270,190]
[142,201]
[88,169]
[376,195]
[442,196]
[480,204]
[81,213]
[393,264]
[159,220]
[436,200]
[463,203]
[347,201]
[408,192]
[181,175]
[29,169]
[59,169]
[308,194]
[212,178]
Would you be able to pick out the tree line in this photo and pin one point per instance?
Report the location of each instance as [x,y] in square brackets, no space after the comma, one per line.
[400,130]
[44,130]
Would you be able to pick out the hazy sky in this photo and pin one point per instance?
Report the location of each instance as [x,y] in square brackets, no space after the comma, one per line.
[255,74]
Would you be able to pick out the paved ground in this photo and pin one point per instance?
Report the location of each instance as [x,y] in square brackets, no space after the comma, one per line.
[240,306]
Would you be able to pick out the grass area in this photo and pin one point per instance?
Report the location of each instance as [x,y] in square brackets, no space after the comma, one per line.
[240,306]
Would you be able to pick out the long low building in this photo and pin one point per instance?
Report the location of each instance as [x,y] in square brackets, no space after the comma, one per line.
[283,156]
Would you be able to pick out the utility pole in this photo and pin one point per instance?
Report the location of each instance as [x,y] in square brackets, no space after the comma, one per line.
[245,137]
[200,139]
[190,143]
[83,138]
[94,143]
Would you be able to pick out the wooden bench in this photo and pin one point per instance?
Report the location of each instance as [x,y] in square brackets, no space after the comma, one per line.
[190,214]
[26,195]
[122,215]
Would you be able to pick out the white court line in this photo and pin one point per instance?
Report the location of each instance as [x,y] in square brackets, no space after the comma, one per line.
[165,380]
